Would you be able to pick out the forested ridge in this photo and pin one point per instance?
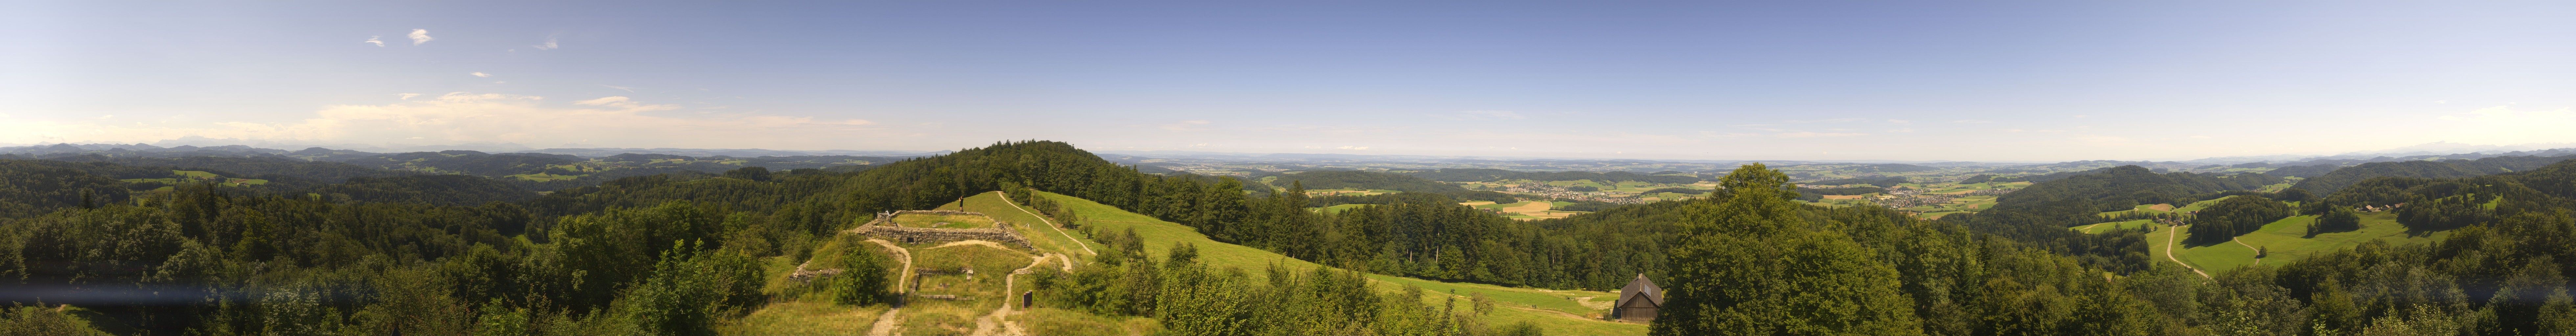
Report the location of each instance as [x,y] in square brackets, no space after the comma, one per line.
[2336,180]
[677,253]
[304,168]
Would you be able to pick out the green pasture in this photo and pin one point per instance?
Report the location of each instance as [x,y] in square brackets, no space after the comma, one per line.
[943,221]
[1044,237]
[1160,236]
[2287,241]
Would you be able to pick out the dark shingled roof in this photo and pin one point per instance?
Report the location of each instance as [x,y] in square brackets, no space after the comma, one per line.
[1654,295]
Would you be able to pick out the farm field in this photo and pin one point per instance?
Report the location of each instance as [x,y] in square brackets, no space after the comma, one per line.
[1533,189]
[1526,209]
[2109,226]
[1338,208]
[2167,208]
[2286,240]
[1160,236]
[1953,198]
[1348,192]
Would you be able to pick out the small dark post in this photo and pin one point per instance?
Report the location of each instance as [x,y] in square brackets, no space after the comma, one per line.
[1026,298]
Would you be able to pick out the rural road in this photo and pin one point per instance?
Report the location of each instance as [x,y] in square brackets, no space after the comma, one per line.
[2170,247]
[1086,248]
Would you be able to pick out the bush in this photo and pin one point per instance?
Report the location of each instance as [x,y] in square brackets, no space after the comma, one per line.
[862,280]
[39,320]
[690,292]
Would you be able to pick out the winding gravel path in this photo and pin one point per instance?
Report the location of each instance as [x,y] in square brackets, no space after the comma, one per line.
[885,325]
[985,325]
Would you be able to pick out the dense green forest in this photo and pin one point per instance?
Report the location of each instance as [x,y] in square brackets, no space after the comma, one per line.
[2234,216]
[678,253]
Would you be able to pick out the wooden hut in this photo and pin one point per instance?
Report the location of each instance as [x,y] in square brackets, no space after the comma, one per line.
[1638,301]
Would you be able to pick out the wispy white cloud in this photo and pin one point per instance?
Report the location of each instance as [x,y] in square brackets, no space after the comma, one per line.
[419,36]
[1971,121]
[1184,126]
[481,74]
[377,40]
[626,88]
[484,117]
[1356,148]
[549,45]
[407,96]
[625,103]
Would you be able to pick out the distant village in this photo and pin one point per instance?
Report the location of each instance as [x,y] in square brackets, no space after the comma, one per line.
[1561,193]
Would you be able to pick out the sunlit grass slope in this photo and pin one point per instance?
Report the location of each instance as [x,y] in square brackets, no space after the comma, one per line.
[2286,241]
[1555,312]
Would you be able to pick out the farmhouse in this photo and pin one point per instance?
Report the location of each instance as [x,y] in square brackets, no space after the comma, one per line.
[1638,301]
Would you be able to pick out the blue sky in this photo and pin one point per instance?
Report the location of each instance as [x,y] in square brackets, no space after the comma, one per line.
[1680,80]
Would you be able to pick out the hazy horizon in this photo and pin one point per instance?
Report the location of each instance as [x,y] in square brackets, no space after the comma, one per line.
[2420,149]
[1901,82]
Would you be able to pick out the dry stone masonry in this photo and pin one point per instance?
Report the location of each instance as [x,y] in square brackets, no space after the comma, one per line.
[884,226]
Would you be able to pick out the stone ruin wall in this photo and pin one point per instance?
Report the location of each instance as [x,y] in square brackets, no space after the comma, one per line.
[884,226]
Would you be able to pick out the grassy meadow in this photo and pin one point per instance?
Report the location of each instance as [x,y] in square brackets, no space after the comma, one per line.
[1555,312]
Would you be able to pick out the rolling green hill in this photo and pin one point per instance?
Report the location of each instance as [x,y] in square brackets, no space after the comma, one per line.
[2287,242]
[1556,312]
[2338,179]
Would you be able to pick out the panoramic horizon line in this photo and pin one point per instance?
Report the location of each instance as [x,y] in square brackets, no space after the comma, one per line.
[447,147]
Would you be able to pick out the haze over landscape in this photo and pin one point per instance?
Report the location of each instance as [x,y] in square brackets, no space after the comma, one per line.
[565,168]
[1899,81]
